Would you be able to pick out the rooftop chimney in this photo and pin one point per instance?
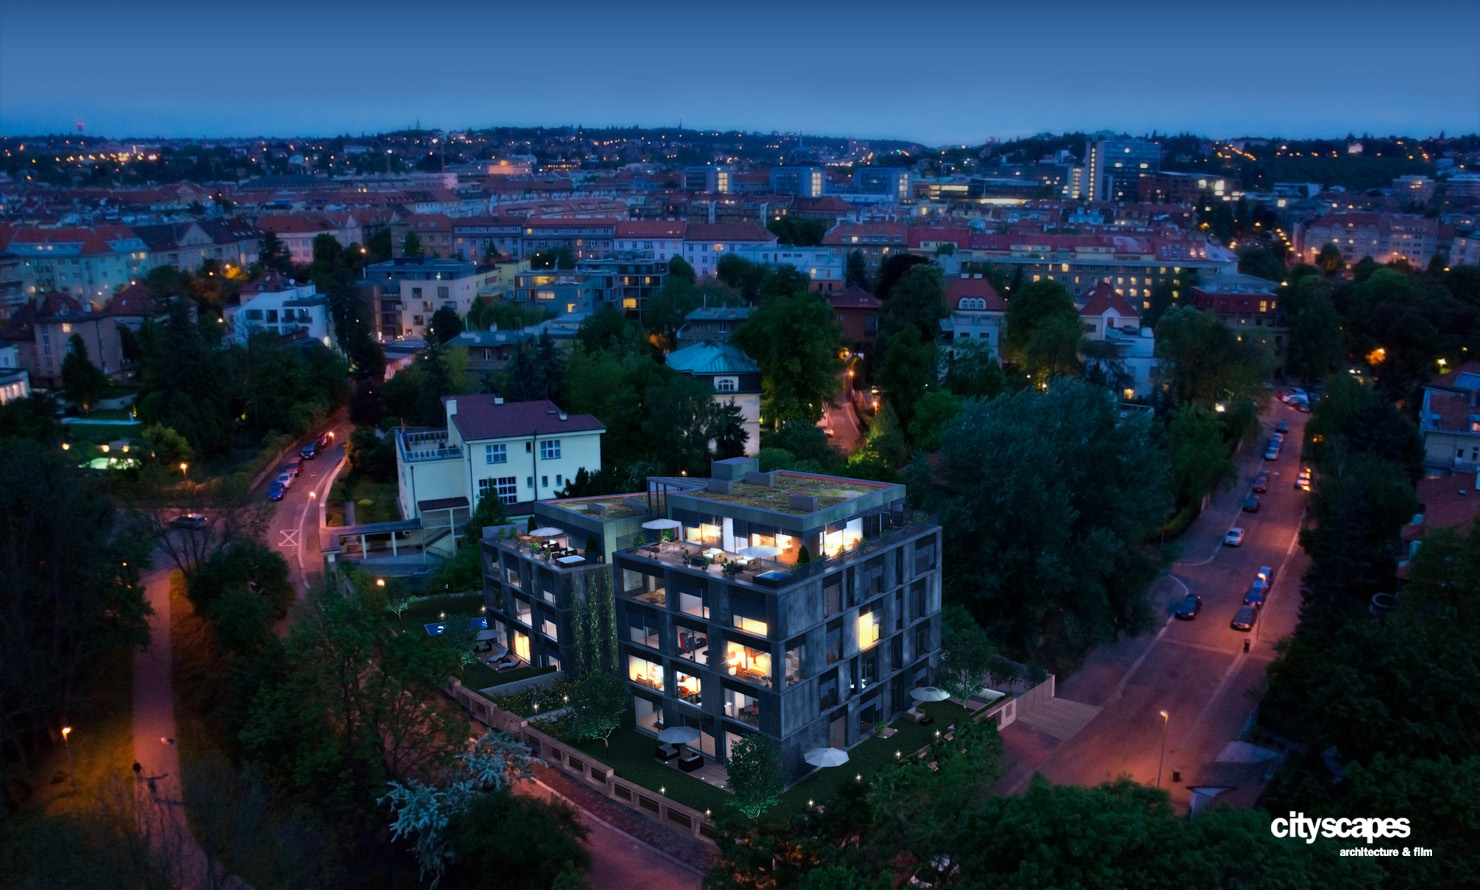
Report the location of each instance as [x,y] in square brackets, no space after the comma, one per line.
[451,408]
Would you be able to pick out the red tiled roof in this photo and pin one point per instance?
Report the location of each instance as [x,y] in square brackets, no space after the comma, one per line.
[857,299]
[1447,502]
[654,228]
[728,231]
[959,288]
[134,301]
[957,235]
[478,417]
[1102,298]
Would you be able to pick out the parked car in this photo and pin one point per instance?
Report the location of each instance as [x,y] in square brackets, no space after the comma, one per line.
[1302,481]
[294,465]
[189,521]
[1251,504]
[1244,619]
[326,440]
[285,479]
[1272,452]
[1282,427]
[1265,578]
[276,492]
[309,451]
[1189,607]
[1261,482]
[1234,538]
[1254,596]
[1277,439]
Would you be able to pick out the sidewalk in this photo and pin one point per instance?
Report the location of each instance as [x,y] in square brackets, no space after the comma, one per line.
[158,799]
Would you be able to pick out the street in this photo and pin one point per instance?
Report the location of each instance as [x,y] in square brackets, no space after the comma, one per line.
[1196,671]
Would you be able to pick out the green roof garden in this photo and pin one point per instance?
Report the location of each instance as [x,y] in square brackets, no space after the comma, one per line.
[609,507]
[776,497]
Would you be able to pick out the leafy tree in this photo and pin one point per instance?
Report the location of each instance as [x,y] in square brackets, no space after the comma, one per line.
[681,414]
[66,606]
[1316,346]
[893,269]
[798,232]
[600,700]
[517,842]
[82,380]
[411,244]
[855,273]
[1058,508]
[273,254]
[444,325]
[1197,458]
[378,248]
[1204,361]
[755,775]
[680,270]
[908,369]
[969,662]
[1260,262]
[1329,260]
[372,454]
[794,339]
[727,431]
[918,300]
[970,370]
[742,275]
[804,441]
[1043,330]
[34,418]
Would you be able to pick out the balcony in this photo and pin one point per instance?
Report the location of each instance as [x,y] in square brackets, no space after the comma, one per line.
[553,552]
[425,445]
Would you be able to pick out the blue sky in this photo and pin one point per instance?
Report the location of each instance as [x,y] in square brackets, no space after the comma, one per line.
[944,72]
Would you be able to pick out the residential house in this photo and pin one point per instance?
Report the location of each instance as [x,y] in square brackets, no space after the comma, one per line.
[15,381]
[519,452]
[712,323]
[42,331]
[735,377]
[976,312]
[183,245]
[405,292]
[489,351]
[662,238]
[433,230]
[1449,420]
[857,313]
[822,265]
[875,240]
[279,306]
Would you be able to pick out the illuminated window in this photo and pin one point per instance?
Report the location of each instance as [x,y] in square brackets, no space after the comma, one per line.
[689,688]
[644,672]
[749,664]
[868,627]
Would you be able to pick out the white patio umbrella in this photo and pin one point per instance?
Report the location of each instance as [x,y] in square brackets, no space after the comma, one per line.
[658,524]
[679,735]
[761,551]
[547,531]
[826,757]
[929,693]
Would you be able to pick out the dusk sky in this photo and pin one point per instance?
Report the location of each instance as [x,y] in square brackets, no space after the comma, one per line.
[943,72]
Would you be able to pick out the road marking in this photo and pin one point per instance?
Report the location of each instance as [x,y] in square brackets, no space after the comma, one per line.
[290,537]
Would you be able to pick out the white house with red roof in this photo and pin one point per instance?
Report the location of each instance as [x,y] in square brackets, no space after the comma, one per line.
[518,452]
[1103,309]
[976,312]
[87,263]
[277,305]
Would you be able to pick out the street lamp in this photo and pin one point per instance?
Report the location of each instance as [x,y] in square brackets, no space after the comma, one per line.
[1165,718]
[66,743]
[184,470]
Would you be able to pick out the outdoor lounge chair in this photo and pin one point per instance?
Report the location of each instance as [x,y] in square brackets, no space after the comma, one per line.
[691,761]
[666,753]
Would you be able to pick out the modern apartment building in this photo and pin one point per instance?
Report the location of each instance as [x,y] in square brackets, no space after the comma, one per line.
[406,291]
[811,653]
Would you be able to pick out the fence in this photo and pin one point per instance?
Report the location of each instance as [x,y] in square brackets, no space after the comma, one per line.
[578,765]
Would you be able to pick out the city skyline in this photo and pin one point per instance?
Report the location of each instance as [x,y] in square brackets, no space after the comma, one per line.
[824,69]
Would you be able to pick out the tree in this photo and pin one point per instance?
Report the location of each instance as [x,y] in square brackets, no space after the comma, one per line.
[918,300]
[1060,508]
[444,325]
[1043,330]
[727,431]
[908,369]
[855,273]
[82,380]
[893,269]
[1204,361]
[273,254]
[66,607]
[600,699]
[680,270]
[411,244]
[1197,458]
[755,775]
[1316,345]
[794,339]
[969,662]
[504,840]
[970,370]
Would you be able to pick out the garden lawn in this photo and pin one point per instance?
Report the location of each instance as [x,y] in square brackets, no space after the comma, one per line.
[632,757]
[865,758]
[429,611]
[374,501]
